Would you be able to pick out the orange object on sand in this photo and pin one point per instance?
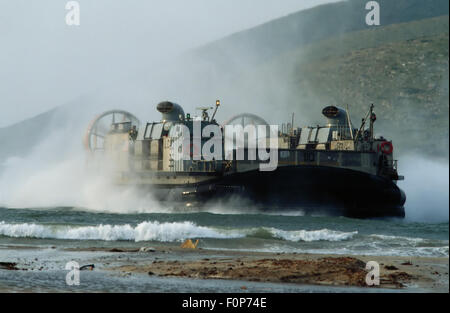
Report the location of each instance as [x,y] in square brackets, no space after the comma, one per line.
[188,244]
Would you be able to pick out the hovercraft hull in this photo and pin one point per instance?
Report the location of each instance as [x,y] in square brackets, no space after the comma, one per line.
[310,189]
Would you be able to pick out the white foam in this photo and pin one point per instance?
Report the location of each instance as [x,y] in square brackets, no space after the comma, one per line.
[422,252]
[155,231]
[145,231]
[179,231]
[313,235]
[47,178]
[398,238]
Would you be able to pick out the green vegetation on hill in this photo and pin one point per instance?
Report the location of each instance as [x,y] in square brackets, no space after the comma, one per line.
[328,55]
[401,68]
[267,41]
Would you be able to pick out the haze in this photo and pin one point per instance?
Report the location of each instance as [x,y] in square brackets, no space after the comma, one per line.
[46,63]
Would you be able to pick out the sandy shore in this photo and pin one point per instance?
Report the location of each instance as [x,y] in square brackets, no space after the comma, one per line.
[396,273]
[430,274]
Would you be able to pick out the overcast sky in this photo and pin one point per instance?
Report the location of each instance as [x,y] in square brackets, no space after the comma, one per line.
[45,63]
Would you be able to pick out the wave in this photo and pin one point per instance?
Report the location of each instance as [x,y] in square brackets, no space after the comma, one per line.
[399,251]
[163,232]
[275,240]
[145,231]
[409,241]
[303,235]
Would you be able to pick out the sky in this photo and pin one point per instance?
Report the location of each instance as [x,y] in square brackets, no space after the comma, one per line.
[45,63]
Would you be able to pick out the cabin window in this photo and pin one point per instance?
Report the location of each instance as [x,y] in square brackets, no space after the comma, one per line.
[157,130]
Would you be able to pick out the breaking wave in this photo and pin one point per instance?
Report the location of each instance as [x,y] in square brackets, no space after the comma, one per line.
[164,232]
[145,231]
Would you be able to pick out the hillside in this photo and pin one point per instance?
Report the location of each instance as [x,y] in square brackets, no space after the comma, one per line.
[261,43]
[403,69]
[21,130]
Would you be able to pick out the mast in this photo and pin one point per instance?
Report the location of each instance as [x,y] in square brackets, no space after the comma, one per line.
[292,125]
[363,123]
[372,120]
[350,124]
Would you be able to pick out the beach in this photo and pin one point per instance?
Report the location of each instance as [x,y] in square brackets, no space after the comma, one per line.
[236,252]
[245,270]
[430,274]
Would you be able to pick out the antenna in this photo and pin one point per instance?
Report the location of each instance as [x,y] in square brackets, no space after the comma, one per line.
[363,123]
[292,129]
[215,111]
[205,116]
[373,118]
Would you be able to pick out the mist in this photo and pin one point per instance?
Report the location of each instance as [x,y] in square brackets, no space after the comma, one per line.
[117,41]
[51,177]
[426,186]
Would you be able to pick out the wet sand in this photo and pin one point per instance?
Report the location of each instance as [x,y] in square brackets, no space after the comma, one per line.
[427,274]
[409,274]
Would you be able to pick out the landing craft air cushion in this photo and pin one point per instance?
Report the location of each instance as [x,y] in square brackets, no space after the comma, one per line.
[335,168]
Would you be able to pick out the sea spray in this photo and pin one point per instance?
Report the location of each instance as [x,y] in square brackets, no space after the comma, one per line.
[426,186]
[57,174]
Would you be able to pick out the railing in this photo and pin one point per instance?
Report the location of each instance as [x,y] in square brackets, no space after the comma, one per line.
[343,132]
